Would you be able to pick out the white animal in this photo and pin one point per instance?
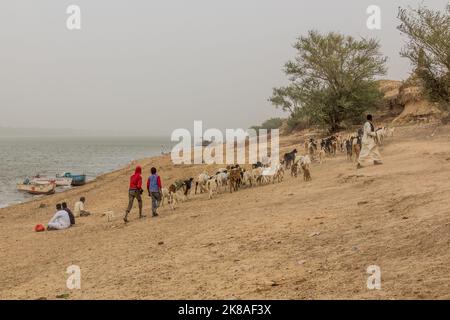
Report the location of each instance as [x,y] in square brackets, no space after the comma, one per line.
[172,198]
[322,155]
[381,133]
[201,181]
[222,180]
[272,173]
[247,179]
[257,175]
[211,187]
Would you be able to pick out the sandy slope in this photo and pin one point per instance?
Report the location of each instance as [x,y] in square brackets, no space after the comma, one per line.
[256,243]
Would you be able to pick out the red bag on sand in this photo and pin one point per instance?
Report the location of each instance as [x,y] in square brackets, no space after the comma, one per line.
[39,228]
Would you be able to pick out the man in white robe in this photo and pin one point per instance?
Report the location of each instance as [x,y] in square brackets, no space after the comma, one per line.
[369,147]
[60,221]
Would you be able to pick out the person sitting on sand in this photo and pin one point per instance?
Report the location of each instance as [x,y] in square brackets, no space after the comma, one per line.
[369,148]
[79,210]
[154,190]
[135,191]
[71,216]
[60,220]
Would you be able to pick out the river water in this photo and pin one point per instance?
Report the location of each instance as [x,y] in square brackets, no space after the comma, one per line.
[21,157]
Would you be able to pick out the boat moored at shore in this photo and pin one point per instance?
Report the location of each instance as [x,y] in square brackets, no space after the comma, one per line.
[77,179]
[37,189]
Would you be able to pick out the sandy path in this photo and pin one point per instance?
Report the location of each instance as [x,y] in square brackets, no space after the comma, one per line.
[256,243]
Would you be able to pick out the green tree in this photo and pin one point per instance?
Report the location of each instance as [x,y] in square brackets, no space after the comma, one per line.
[332,79]
[272,123]
[428,49]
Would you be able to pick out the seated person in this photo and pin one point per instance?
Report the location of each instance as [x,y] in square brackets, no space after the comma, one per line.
[79,208]
[72,218]
[60,220]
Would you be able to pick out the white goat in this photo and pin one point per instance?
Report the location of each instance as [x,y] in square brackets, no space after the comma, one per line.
[247,178]
[212,187]
[201,180]
[222,180]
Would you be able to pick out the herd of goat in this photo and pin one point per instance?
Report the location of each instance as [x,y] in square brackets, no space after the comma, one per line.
[234,177]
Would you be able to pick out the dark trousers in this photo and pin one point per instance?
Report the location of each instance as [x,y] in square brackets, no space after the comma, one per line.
[132,194]
[156,199]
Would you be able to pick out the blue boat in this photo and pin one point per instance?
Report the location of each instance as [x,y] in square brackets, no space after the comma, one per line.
[77,179]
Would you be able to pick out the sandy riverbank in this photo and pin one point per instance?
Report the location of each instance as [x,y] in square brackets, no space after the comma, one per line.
[291,240]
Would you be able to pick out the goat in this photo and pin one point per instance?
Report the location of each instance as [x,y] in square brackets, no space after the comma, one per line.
[201,180]
[247,178]
[170,195]
[222,179]
[275,172]
[348,148]
[321,155]
[294,170]
[257,175]
[356,147]
[212,187]
[304,162]
[380,134]
[234,179]
[289,158]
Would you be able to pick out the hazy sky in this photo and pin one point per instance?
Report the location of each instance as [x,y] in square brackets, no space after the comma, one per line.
[153,66]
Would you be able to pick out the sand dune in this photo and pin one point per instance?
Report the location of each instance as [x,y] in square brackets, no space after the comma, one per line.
[293,240]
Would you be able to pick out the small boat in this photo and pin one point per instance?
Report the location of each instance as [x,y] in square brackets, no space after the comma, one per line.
[77,179]
[34,188]
[60,181]
[41,180]
[63,181]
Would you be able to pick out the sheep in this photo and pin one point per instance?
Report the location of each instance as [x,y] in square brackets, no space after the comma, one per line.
[201,180]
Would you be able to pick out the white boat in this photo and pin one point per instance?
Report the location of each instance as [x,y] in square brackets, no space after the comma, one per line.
[63,181]
[59,181]
[34,188]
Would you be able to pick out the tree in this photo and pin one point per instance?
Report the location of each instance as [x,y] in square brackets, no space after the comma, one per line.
[272,123]
[428,49]
[332,79]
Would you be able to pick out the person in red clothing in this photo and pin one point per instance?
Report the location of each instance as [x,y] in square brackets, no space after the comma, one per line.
[135,191]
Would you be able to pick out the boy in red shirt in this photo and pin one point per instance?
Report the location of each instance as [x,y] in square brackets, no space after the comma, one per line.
[135,191]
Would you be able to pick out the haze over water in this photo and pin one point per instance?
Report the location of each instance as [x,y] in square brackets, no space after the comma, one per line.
[23,156]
